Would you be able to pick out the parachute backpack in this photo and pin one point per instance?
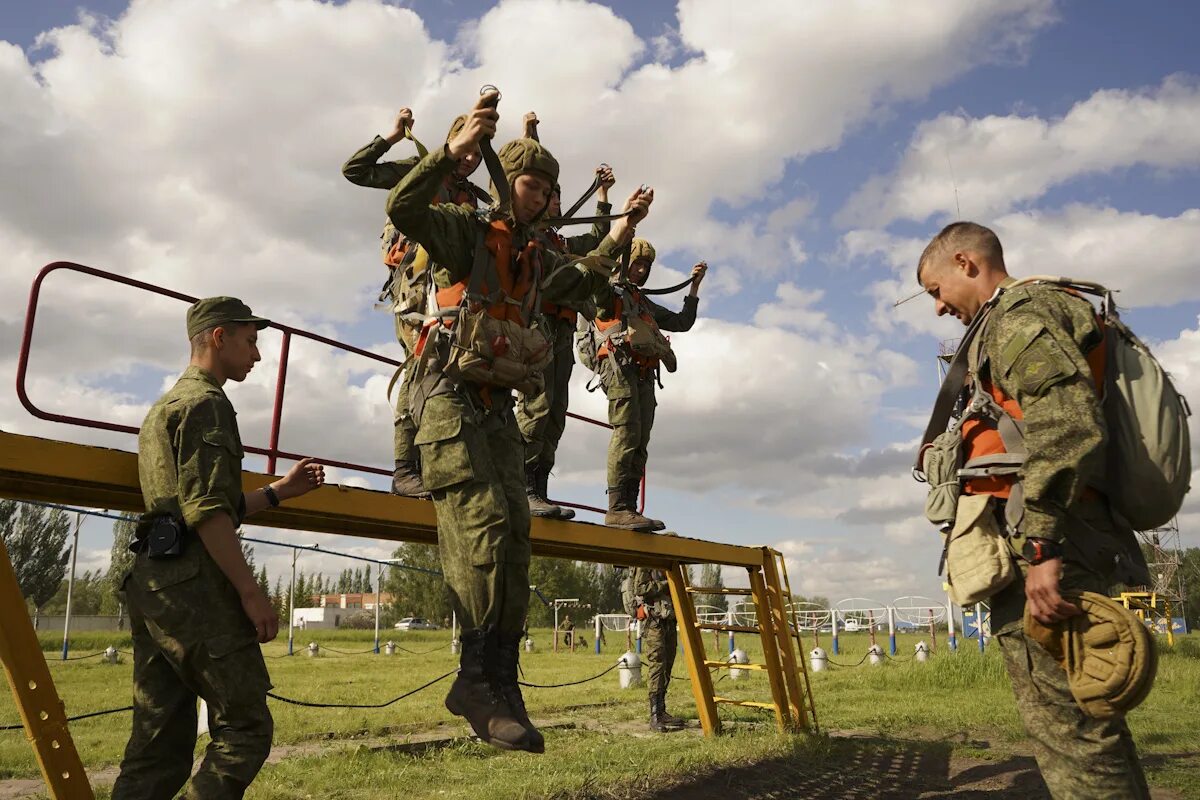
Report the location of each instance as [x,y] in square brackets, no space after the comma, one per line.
[1149,454]
[632,601]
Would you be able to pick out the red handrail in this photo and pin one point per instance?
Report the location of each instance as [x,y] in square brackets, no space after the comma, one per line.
[272,451]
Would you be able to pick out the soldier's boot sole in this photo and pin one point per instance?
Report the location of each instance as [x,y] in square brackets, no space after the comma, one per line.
[539,507]
[658,726]
[673,722]
[629,521]
[492,721]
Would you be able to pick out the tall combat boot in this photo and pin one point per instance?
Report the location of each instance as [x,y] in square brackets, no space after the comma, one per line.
[543,485]
[406,480]
[477,696]
[656,721]
[539,506]
[668,719]
[632,489]
[621,514]
[510,674]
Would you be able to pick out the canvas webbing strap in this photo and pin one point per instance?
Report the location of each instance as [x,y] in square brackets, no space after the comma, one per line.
[558,222]
[422,151]
[587,195]
[495,171]
[671,289]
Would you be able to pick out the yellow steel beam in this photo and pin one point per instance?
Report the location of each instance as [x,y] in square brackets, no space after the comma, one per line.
[811,721]
[770,645]
[42,712]
[782,625]
[61,472]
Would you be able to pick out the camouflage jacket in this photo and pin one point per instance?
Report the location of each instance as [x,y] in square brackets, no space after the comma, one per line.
[667,320]
[1035,347]
[190,453]
[364,168]
[449,233]
[652,586]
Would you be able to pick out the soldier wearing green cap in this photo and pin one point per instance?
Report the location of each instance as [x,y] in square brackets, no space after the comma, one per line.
[479,347]
[542,417]
[365,168]
[196,611]
[628,375]
[1038,359]
[660,641]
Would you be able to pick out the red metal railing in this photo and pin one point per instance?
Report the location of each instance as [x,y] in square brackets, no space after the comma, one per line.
[271,451]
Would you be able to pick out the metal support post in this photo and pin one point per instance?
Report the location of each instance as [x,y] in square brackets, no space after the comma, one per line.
[377,571]
[693,651]
[891,620]
[952,639]
[292,601]
[71,588]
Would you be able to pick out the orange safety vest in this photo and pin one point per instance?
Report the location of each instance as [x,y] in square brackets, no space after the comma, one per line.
[618,318]
[515,296]
[981,438]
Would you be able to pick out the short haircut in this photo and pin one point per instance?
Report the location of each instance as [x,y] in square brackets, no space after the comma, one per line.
[200,341]
[963,236]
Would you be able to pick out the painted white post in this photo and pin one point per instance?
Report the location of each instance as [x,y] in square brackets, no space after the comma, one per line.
[950,623]
[597,621]
[979,624]
[292,602]
[454,633]
[891,619]
[377,572]
[71,587]
[833,616]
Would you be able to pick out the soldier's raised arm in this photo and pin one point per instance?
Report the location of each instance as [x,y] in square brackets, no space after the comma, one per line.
[364,167]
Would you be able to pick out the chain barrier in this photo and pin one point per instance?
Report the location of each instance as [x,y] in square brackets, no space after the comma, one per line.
[306,704]
[866,655]
[74,718]
[620,663]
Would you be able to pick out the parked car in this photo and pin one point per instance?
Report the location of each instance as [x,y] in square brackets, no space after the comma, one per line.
[415,624]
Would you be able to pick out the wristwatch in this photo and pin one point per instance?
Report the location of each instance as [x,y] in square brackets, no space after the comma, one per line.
[272,498]
[1035,551]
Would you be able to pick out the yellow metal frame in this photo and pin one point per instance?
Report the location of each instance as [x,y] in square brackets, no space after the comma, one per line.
[1146,605]
[48,470]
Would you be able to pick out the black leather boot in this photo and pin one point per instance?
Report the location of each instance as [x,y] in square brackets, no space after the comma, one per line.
[543,479]
[478,697]
[539,506]
[510,673]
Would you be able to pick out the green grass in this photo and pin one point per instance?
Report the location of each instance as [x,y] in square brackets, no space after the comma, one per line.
[955,704]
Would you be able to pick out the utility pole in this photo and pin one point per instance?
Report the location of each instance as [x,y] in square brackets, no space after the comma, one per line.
[71,587]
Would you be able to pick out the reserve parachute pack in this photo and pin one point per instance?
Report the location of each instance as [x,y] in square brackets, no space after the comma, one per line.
[1149,449]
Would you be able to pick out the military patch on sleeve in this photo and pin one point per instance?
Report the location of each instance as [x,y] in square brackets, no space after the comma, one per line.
[1035,362]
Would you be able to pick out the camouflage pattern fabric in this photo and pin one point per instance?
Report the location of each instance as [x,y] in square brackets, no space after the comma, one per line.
[631,406]
[542,418]
[1035,345]
[405,428]
[365,169]
[191,638]
[632,401]
[1079,756]
[471,459]
[660,637]
[472,464]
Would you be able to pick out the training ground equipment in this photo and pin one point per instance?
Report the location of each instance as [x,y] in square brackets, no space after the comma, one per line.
[49,470]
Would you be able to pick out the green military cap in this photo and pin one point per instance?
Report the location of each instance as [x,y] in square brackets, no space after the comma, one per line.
[640,248]
[210,312]
[1109,656]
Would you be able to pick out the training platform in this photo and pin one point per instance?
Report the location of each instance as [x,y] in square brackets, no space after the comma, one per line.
[48,470]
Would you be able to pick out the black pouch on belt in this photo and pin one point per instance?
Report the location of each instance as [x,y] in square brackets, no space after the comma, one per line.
[164,536]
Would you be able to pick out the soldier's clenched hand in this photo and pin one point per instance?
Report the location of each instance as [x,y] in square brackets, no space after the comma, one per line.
[302,478]
[607,179]
[698,273]
[638,206]
[531,124]
[480,125]
[404,120]
[1041,593]
[262,615]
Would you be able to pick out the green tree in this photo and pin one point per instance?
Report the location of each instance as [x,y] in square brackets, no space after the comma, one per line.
[36,539]
[119,563]
[710,578]
[279,600]
[415,593]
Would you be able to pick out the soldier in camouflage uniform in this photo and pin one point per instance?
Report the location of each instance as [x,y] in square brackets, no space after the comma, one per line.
[472,455]
[365,168]
[660,641]
[1040,348]
[542,418]
[197,617]
[629,383]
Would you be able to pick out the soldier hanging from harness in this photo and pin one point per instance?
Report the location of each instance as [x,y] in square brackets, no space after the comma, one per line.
[476,346]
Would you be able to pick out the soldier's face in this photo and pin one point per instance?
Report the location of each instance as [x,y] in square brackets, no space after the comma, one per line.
[237,348]
[639,271]
[949,282]
[468,164]
[555,209]
[531,195]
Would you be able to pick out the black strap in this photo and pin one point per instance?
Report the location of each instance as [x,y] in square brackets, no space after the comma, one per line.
[670,289]
[499,181]
[587,195]
[567,219]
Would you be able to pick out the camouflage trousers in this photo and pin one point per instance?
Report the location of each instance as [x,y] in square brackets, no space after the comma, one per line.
[631,405]
[405,429]
[543,417]
[1080,758]
[471,461]
[191,639]
[660,643]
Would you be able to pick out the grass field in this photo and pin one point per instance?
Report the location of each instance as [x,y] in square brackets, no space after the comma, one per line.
[903,729]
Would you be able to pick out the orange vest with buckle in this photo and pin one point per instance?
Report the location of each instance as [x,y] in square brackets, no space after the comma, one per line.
[550,309]
[618,318]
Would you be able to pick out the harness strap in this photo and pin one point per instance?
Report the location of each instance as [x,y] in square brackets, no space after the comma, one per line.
[558,222]
[587,195]
[670,289]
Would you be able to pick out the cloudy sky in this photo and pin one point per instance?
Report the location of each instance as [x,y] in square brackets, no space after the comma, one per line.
[807,151]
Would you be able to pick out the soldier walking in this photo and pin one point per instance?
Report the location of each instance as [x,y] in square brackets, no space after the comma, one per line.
[196,611]
[1038,363]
